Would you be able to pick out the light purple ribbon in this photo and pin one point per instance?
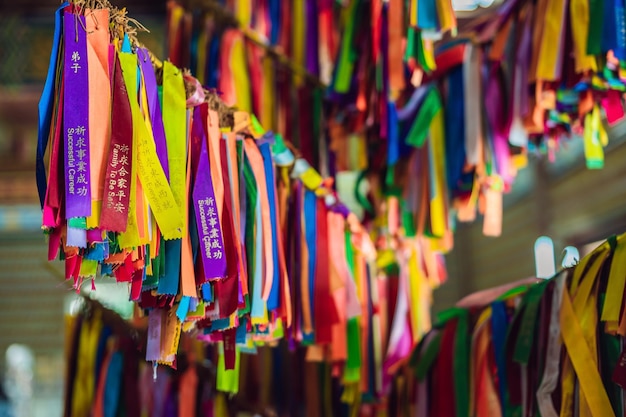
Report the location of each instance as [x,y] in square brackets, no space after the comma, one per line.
[158,130]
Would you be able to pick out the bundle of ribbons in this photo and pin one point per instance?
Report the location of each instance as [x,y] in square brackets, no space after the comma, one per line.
[403,96]
[539,347]
[219,228]
[107,376]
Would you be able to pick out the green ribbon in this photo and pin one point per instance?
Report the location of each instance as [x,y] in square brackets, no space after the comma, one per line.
[408,221]
[251,199]
[419,131]
[526,336]
[421,365]
[412,40]
[347,55]
[596,19]
[352,371]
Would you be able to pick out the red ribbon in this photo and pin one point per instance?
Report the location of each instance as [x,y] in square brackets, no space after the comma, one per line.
[116,197]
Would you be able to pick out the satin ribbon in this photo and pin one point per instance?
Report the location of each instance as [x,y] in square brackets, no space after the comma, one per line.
[611,311]
[174,122]
[549,62]
[45,105]
[99,100]
[119,175]
[583,361]
[553,352]
[484,396]
[473,125]
[345,65]
[579,18]
[455,132]
[84,383]
[76,129]
[273,294]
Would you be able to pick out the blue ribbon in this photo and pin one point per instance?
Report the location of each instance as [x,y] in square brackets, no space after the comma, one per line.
[619,30]
[609,26]
[240,335]
[310,227]
[183,308]
[273,301]
[168,284]
[45,106]
[207,292]
[499,324]
[393,153]
[212,68]
[427,14]
[112,388]
[275,21]
[102,347]
[455,129]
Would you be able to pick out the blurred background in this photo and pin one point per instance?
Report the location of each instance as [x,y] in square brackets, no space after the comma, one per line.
[561,199]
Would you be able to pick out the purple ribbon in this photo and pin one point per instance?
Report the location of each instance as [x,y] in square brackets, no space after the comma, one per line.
[413,104]
[207,220]
[76,118]
[158,130]
[153,345]
[76,237]
[312,48]
[495,115]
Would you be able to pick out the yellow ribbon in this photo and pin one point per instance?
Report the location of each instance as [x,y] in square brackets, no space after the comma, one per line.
[165,205]
[299,30]
[579,15]
[438,215]
[174,123]
[549,47]
[578,328]
[595,138]
[611,312]
[583,362]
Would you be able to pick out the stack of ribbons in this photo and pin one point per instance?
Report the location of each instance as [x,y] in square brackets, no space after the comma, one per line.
[219,228]
[539,347]
[403,99]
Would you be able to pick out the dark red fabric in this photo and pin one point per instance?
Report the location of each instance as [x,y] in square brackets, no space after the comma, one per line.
[442,398]
[113,219]
[325,310]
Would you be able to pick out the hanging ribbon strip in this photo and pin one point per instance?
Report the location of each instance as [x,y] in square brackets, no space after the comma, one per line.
[550,347]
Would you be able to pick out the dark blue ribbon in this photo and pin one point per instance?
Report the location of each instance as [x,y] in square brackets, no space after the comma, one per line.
[499,324]
[46,104]
[455,128]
